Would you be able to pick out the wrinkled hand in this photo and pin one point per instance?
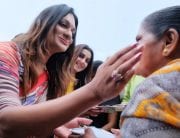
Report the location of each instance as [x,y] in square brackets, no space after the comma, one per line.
[115,72]
[64,131]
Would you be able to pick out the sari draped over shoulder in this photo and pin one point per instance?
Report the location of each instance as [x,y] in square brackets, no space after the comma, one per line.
[155,105]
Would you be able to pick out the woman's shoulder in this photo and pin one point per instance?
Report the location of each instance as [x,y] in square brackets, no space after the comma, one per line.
[9,52]
[8,45]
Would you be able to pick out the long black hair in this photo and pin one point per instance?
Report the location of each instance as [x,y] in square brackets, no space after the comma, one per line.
[35,42]
[84,76]
[160,21]
[58,64]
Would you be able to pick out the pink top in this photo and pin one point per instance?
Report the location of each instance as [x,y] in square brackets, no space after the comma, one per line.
[11,70]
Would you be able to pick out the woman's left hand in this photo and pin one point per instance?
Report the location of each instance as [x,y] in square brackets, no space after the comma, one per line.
[64,131]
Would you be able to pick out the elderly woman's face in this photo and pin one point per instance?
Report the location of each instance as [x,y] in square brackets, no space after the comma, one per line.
[152,52]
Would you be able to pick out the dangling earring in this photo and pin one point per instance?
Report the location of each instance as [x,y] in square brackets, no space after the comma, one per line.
[165,51]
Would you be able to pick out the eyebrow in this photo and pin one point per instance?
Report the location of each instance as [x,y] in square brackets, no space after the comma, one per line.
[73,27]
[84,55]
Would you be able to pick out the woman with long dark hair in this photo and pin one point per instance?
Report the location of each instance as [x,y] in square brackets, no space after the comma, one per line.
[23,76]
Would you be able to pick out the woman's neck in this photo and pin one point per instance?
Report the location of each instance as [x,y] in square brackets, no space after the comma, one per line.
[74,72]
[40,67]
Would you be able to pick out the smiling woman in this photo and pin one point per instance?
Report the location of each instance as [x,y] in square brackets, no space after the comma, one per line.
[82,64]
[81,67]
[28,55]
[25,82]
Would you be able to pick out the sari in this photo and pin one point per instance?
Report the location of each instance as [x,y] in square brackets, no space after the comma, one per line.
[154,110]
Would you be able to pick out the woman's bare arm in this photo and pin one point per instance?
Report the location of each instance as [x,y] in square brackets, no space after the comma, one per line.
[21,121]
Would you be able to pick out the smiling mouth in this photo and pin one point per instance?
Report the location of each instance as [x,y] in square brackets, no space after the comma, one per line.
[77,65]
[80,67]
[65,42]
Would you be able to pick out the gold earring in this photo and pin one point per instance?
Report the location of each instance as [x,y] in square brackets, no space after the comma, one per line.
[165,51]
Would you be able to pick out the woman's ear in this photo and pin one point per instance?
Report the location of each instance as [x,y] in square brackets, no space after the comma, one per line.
[171,42]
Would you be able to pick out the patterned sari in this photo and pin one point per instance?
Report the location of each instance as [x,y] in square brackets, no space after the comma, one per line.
[155,105]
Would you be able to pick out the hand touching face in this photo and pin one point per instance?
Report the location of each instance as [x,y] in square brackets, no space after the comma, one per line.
[152,57]
[113,74]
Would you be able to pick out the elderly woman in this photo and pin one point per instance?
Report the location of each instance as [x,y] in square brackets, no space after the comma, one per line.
[155,107]
[154,110]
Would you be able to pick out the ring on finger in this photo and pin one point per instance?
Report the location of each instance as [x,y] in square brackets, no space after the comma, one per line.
[117,76]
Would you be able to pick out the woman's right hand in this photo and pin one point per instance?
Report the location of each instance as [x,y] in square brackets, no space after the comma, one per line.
[115,72]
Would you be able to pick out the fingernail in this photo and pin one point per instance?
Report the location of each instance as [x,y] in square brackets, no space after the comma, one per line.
[134,45]
[138,55]
[140,47]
